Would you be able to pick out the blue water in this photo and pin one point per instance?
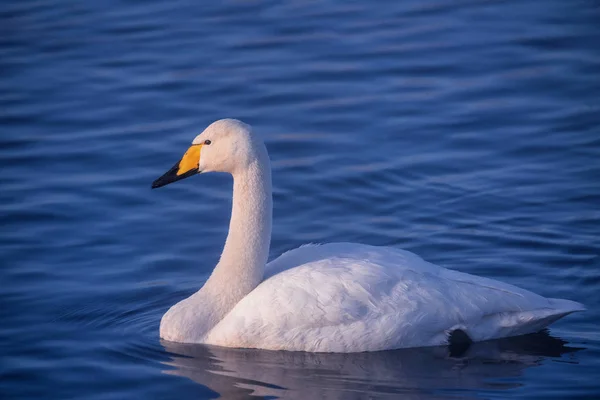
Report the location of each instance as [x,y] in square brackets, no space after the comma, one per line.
[465,131]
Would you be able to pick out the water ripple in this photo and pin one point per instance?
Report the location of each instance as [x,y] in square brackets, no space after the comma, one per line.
[465,131]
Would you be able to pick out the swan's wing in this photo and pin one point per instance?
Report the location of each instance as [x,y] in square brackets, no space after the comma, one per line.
[345,297]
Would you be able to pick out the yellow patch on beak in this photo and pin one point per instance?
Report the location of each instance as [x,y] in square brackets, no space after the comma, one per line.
[190,160]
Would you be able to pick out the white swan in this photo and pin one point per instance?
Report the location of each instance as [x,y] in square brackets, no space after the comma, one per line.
[338,297]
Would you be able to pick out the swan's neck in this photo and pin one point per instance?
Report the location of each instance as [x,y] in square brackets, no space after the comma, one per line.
[242,264]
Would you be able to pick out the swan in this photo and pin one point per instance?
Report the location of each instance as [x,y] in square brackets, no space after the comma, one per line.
[336,297]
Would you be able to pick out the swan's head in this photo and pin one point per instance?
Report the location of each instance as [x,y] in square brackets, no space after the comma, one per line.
[226,145]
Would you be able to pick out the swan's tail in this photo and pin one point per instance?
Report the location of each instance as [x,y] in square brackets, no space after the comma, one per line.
[540,319]
[565,307]
[517,323]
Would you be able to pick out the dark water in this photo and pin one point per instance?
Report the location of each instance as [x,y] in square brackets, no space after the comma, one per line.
[465,131]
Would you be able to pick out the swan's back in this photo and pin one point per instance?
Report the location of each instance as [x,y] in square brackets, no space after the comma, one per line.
[345,297]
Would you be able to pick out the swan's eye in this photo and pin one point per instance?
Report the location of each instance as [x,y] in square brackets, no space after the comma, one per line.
[207,142]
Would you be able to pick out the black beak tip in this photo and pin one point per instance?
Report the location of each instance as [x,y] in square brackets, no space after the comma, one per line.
[164,180]
[171,176]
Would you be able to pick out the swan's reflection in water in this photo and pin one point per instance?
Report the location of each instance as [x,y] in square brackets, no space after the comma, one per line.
[435,372]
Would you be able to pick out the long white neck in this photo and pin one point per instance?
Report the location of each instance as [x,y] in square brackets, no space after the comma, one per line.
[242,264]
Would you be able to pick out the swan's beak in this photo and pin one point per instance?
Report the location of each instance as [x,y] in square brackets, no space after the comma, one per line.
[186,167]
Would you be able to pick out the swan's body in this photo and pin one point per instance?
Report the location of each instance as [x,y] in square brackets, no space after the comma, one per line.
[339,297]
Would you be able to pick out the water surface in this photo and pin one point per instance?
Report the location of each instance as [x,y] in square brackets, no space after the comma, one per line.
[465,131]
